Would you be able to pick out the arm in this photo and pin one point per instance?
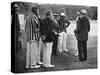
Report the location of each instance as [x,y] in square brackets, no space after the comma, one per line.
[68,23]
[79,26]
[88,26]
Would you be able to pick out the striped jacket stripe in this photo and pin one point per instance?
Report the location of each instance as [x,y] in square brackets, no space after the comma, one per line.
[32,26]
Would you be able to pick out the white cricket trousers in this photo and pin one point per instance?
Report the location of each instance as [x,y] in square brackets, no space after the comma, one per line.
[47,51]
[62,41]
[33,53]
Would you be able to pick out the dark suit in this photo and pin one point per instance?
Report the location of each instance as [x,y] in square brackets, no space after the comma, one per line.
[55,42]
[47,28]
[62,24]
[81,32]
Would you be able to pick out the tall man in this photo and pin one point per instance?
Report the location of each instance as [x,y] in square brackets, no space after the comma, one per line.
[63,24]
[81,32]
[32,31]
[47,32]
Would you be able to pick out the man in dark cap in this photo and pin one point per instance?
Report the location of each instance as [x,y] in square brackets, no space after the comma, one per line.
[32,31]
[81,33]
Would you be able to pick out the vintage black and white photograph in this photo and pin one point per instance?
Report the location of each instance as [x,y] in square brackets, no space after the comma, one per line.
[53,37]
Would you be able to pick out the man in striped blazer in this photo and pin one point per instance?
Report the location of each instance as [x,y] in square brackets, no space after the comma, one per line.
[32,32]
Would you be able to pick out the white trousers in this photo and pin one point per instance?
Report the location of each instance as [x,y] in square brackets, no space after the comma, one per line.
[47,51]
[62,41]
[33,53]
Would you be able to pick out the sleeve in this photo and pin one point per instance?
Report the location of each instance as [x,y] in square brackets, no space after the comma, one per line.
[79,26]
[67,22]
[88,25]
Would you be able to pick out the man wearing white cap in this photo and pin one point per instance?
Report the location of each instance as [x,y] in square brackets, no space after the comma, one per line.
[63,24]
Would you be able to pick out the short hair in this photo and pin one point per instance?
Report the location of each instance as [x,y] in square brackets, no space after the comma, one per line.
[34,9]
[48,13]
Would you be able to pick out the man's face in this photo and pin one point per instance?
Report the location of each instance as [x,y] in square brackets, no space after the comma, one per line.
[16,7]
[51,15]
[35,11]
[62,17]
[78,14]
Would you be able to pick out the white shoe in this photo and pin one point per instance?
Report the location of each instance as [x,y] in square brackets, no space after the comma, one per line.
[66,50]
[27,66]
[49,65]
[76,54]
[60,51]
[40,63]
[36,66]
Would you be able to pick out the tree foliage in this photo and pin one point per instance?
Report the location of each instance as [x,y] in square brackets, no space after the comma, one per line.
[70,10]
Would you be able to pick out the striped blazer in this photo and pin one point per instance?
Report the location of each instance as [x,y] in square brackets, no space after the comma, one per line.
[31,27]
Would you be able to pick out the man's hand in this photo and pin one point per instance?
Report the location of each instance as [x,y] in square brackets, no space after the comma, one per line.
[43,37]
[37,30]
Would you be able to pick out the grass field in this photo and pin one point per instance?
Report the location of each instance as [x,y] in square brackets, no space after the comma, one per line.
[66,61]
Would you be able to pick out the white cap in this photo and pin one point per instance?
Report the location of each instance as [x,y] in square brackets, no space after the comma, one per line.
[63,14]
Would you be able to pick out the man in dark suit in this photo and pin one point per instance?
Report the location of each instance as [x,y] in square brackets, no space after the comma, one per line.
[55,42]
[81,33]
[47,35]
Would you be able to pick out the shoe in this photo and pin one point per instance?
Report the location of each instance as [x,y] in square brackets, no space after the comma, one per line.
[60,51]
[49,66]
[35,66]
[81,60]
[27,66]
[85,59]
[66,50]
[76,54]
[40,63]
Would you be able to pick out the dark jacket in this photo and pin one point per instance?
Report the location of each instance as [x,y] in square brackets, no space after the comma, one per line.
[82,29]
[47,29]
[62,24]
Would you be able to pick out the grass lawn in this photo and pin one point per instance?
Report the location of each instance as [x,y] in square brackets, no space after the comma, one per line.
[65,61]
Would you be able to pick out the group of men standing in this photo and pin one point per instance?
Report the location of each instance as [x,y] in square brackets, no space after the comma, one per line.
[42,33]
[44,30]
